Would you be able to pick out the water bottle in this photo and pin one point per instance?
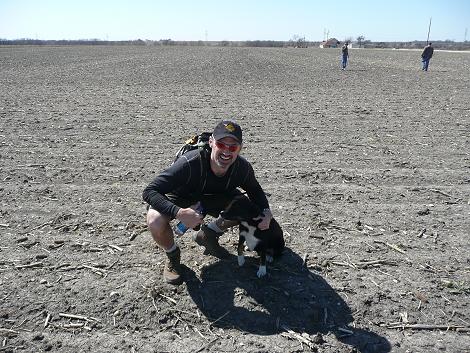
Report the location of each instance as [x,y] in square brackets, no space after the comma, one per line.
[181,228]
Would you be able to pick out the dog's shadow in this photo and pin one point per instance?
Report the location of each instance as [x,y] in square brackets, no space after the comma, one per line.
[290,297]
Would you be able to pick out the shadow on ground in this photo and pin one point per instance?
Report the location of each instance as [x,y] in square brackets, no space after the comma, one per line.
[289,297]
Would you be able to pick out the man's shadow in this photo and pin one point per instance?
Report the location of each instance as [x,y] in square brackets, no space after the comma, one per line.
[290,297]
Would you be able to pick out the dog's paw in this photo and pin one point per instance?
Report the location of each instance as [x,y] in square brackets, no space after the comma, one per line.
[241,260]
[269,258]
[261,271]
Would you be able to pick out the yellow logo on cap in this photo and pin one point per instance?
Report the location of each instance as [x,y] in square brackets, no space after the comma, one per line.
[230,127]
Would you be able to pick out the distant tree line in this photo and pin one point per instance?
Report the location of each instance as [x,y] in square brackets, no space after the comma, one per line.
[162,42]
[27,41]
[438,44]
[296,41]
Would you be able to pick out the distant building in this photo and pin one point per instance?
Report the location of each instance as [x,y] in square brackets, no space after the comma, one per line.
[330,43]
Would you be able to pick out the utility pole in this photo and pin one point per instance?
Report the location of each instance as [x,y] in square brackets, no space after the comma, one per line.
[465,36]
[429,30]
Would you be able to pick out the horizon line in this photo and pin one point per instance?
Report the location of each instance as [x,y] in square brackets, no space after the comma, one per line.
[226,40]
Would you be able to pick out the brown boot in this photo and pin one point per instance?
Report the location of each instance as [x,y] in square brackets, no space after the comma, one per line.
[210,240]
[172,271]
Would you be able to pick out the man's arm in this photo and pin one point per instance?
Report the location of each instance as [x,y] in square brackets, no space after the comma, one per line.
[166,182]
[155,198]
[257,195]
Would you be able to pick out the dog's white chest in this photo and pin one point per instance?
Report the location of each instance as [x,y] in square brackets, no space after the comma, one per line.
[251,240]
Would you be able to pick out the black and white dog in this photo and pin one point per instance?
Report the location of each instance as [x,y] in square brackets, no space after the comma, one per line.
[267,243]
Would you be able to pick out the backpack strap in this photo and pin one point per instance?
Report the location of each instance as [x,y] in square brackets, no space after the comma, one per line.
[234,166]
[203,166]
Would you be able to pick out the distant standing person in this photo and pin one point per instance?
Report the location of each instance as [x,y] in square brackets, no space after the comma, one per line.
[426,56]
[344,56]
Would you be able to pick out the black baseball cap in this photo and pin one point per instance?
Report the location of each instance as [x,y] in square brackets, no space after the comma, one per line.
[228,128]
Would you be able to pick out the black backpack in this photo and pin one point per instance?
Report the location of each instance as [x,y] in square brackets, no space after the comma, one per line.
[200,142]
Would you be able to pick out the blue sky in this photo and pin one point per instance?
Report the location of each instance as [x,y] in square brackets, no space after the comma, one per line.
[399,20]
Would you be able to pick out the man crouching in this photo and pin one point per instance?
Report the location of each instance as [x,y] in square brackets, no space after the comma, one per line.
[210,179]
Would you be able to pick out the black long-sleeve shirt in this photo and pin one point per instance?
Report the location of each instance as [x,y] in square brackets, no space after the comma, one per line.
[191,176]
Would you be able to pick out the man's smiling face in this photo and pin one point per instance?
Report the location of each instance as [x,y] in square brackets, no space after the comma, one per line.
[224,153]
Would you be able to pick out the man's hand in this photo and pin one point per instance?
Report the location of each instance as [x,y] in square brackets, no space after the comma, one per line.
[265,219]
[189,217]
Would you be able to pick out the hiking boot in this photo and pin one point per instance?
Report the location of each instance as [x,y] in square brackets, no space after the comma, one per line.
[210,240]
[172,271]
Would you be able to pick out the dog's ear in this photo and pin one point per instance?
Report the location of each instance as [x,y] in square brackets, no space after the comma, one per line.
[230,205]
[237,199]
[229,209]
[234,201]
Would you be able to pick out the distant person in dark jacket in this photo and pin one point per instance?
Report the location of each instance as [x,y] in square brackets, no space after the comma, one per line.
[426,56]
[344,56]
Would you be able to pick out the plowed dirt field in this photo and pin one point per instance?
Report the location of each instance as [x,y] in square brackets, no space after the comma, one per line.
[367,170]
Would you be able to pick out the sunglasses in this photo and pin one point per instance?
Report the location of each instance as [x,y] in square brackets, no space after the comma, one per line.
[230,148]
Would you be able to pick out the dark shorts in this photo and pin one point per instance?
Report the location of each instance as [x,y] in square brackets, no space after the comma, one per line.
[212,204]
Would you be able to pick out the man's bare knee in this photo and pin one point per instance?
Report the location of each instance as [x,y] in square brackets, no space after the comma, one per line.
[158,224]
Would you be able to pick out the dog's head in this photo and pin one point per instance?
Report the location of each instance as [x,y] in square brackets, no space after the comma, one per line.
[240,209]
